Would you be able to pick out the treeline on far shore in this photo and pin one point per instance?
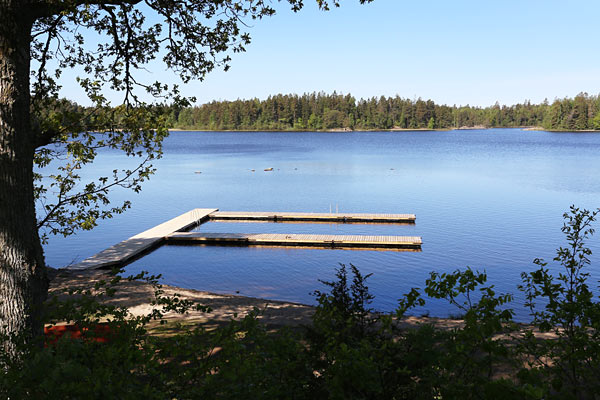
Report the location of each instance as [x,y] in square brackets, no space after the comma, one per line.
[321,111]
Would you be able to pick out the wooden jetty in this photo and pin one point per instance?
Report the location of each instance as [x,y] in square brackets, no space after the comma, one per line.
[173,231]
[311,217]
[303,240]
[121,253]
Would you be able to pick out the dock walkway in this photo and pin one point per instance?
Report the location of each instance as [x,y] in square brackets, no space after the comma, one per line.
[308,240]
[174,231]
[128,249]
[307,217]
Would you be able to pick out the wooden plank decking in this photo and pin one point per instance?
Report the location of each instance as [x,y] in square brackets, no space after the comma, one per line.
[307,217]
[278,239]
[128,249]
[170,231]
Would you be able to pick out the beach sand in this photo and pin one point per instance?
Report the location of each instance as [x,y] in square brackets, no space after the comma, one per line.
[138,295]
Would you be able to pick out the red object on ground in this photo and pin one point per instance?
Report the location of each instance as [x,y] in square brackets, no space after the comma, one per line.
[102,332]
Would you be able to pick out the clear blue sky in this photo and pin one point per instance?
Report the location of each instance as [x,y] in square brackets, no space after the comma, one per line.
[453,52]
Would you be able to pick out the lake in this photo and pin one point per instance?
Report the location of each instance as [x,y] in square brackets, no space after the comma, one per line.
[490,199]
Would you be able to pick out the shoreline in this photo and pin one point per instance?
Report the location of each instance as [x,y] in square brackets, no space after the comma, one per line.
[336,130]
[274,314]
[137,296]
[341,130]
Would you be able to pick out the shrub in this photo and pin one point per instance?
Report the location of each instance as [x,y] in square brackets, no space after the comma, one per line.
[567,367]
[348,352]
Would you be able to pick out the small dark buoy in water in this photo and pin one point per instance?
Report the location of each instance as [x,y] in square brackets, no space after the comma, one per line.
[237,291]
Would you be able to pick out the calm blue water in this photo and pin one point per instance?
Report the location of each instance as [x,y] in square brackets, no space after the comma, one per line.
[489,199]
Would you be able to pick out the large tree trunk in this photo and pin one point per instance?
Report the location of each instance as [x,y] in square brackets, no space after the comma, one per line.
[23,284]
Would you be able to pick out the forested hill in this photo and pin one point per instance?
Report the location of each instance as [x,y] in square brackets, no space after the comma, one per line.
[320,111]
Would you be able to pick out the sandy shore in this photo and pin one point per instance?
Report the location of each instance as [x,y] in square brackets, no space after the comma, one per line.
[138,295]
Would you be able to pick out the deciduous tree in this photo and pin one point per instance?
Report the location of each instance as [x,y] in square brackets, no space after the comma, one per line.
[110,41]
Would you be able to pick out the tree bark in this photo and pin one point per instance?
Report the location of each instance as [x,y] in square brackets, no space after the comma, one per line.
[23,283]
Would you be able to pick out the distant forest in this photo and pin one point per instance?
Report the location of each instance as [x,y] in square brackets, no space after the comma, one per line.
[321,111]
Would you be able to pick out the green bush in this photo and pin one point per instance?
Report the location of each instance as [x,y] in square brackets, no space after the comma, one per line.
[347,352]
[569,366]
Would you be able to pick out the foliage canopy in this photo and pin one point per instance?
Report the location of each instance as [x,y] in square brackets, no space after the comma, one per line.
[111,44]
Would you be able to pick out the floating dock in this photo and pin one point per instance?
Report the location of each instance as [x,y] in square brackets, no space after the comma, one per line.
[174,231]
[302,240]
[311,217]
[127,250]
